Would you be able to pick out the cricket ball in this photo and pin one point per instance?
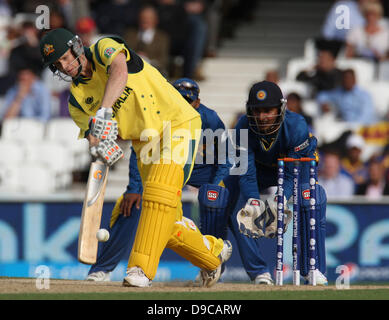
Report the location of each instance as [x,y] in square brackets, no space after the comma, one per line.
[102,235]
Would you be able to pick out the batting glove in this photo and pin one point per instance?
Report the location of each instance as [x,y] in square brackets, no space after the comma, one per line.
[102,125]
[251,218]
[108,151]
[271,215]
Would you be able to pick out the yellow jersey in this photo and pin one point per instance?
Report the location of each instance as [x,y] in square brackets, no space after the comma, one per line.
[147,101]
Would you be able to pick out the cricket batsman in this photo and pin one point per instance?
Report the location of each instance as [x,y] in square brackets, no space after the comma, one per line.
[274,132]
[116,93]
[207,176]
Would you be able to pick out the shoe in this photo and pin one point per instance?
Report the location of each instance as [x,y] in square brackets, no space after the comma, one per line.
[209,278]
[136,278]
[99,276]
[264,278]
[321,279]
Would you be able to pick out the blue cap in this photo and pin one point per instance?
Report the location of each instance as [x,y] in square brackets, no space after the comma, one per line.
[265,94]
[188,88]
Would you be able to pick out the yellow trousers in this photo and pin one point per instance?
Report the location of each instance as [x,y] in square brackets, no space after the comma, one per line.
[165,163]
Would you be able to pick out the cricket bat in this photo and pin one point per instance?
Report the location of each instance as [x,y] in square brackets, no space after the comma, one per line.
[91,212]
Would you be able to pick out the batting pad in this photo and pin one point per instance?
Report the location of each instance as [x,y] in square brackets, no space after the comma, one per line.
[189,243]
[161,196]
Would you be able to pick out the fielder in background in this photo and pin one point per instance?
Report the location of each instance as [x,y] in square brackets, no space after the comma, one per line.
[116,93]
[274,132]
[208,177]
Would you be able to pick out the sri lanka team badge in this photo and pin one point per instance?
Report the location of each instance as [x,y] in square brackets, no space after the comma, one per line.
[47,49]
[261,95]
[109,51]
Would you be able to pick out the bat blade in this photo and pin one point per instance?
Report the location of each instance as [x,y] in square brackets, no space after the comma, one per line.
[91,212]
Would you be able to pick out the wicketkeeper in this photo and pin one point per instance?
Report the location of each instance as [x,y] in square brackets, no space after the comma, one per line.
[273,132]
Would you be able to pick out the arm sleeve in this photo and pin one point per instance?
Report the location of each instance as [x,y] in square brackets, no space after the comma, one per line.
[223,169]
[247,181]
[106,49]
[135,183]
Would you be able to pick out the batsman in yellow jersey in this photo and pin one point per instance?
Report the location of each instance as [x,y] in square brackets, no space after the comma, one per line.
[116,93]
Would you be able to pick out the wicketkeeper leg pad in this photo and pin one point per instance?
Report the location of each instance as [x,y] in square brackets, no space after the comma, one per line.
[187,241]
[304,226]
[213,200]
[161,197]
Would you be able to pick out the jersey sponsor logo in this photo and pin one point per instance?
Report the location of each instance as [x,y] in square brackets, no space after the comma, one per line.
[261,95]
[109,52]
[302,146]
[254,202]
[212,195]
[306,194]
[48,49]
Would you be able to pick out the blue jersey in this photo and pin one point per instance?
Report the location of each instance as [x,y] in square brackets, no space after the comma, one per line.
[202,173]
[293,139]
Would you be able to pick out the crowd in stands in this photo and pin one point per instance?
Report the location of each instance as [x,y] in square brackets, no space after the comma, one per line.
[175,36]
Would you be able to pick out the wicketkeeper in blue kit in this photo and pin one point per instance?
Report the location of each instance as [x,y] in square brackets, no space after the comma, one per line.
[208,177]
[273,132]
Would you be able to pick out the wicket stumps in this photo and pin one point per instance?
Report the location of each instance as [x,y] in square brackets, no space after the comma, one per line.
[295,223]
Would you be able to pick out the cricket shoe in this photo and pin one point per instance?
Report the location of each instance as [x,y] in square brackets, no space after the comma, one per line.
[321,279]
[264,278]
[209,278]
[136,278]
[99,276]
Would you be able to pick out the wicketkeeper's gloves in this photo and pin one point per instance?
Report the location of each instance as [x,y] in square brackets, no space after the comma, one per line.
[251,218]
[271,217]
[102,125]
[108,151]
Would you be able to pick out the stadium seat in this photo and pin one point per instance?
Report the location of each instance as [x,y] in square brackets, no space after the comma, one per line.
[36,178]
[302,88]
[310,51]
[22,129]
[383,71]
[379,91]
[65,132]
[12,153]
[364,70]
[296,65]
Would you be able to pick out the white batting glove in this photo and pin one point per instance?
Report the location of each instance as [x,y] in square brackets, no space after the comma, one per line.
[108,151]
[251,218]
[271,217]
[102,125]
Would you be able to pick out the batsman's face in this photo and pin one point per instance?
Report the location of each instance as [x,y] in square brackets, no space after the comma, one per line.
[68,64]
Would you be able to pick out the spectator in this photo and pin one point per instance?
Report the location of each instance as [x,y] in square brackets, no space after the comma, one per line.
[324,75]
[352,163]
[29,98]
[331,30]
[87,30]
[148,41]
[351,103]
[114,16]
[371,40]
[336,183]
[272,76]
[294,103]
[27,52]
[195,45]
[173,20]
[377,185]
